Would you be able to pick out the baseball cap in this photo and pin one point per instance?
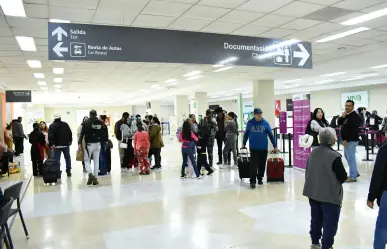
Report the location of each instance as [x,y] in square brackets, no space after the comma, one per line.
[57,115]
[257,111]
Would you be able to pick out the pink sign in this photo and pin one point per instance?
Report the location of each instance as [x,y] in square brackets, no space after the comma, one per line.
[283,122]
[301,117]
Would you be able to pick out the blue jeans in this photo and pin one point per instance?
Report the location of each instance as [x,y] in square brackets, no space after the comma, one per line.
[66,154]
[325,216]
[380,240]
[188,153]
[350,155]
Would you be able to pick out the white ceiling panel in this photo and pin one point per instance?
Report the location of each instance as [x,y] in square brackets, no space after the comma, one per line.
[129,18]
[221,27]
[9,47]
[163,8]
[36,1]
[380,38]
[272,20]
[300,24]
[277,33]
[205,13]
[3,23]
[153,21]
[33,32]
[109,17]
[347,17]
[369,34]
[353,41]
[188,24]
[317,30]
[357,4]
[376,23]
[323,2]
[129,6]
[240,16]
[72,14]
[231,4]
[375,7]
[250,30]
[5,31]
[298,9]
[36,10]
[264,6]
[40,42]
[84,4]
[384,28]
[7,40]
[21,22]
[184,1]
[10,53]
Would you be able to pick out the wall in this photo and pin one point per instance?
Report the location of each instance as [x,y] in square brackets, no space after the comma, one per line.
[165,111]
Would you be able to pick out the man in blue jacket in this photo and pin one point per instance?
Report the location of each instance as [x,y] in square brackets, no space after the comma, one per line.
[257,130]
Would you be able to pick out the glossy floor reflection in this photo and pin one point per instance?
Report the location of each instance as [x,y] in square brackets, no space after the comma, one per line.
[161,211]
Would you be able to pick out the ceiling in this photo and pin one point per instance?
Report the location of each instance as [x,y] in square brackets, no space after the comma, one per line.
[121,83]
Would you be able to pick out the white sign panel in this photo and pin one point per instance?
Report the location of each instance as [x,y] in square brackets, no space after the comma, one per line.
[360,98]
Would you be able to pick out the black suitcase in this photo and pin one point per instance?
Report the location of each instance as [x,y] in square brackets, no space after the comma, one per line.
[51,170]
[244,164]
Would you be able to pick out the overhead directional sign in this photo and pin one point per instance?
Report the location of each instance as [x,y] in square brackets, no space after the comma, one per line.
[18,96]
[68,41]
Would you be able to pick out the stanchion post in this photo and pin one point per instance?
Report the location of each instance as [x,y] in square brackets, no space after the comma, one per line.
[290,150]
[372,143]
[283,144]
[367,153]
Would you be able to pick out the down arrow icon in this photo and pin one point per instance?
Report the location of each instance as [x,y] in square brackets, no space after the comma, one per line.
[304,55]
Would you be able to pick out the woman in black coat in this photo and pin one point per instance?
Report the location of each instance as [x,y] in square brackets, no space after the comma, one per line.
[38,142]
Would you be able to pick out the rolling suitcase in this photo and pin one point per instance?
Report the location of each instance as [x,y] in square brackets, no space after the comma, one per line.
[275,169]
[51,169]
[244,164]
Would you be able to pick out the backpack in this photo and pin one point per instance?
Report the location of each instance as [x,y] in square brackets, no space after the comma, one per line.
[95,132]
[204,130]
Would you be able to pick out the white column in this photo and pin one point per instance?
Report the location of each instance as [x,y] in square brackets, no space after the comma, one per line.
[201,103]
[263,97]
[181,108]
[155,108]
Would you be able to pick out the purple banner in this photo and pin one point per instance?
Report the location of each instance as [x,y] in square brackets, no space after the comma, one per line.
[283,122]
[301,117]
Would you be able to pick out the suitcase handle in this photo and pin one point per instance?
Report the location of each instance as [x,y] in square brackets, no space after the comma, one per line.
[274,156]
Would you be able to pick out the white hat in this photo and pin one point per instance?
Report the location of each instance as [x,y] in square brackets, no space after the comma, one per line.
[57,115]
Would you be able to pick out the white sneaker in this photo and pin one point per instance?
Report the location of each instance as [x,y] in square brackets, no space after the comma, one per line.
[199,177]
[235,166]
[131,170]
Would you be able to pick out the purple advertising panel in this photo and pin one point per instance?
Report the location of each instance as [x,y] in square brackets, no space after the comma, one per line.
[301,118]
[283,122]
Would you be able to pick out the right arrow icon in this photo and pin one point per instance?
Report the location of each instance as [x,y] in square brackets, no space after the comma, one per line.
[304,55]
[59,31]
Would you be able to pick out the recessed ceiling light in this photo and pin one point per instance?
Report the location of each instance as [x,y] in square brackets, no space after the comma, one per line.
[34,64]
[58,70]
[170,81]
[193,73]
[333,74]
[13,8]
[195,77]
[39,75]
[366,17]
[343,34]
[58,86]
[44,88]
[58,80]
[59,21]
[42,83]
[290,81]
[26,43]
[323,82]
[155,86]
[222,69]
[381,66]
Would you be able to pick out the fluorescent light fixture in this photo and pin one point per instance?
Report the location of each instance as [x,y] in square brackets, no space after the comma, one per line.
[155,86]
[343,34]
[59,21]
[13,8]
[42,83]
[58,61]
[352,79]
[170,81]
[323,82]
[291,86]
[193,73]
[222,69]
[291,81]
[237,89]
[58,80]
[333,74]
[366,17]
[173,83]
[195,77]
[381,66]
[58,70]
[39,75]
[160,87]
[26,43]
[58,86]
[44,88]
[226,61]
[34,64]
[214,97]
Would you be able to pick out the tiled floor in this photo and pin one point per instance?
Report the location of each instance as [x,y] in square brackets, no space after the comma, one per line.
[161,211]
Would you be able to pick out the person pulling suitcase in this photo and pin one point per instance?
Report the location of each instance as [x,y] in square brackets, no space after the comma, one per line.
[257,130]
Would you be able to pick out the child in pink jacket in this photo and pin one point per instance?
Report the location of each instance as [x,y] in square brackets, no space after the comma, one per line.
[141,150]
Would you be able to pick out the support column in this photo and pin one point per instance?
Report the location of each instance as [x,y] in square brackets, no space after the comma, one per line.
[263,97]
[3,116]
[181,108]
[155,108]
[240,111]
[201,104]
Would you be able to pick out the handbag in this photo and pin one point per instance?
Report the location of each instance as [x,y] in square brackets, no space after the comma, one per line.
[80,155]
[123,145]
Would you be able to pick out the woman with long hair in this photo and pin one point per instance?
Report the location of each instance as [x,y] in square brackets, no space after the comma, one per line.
[128,129]
[37,141]
[44,130]
[315,125]
[141,149]
[156,142]
[188,139]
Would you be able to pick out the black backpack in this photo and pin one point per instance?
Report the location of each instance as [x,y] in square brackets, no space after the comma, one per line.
[204,130]
[95,131]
